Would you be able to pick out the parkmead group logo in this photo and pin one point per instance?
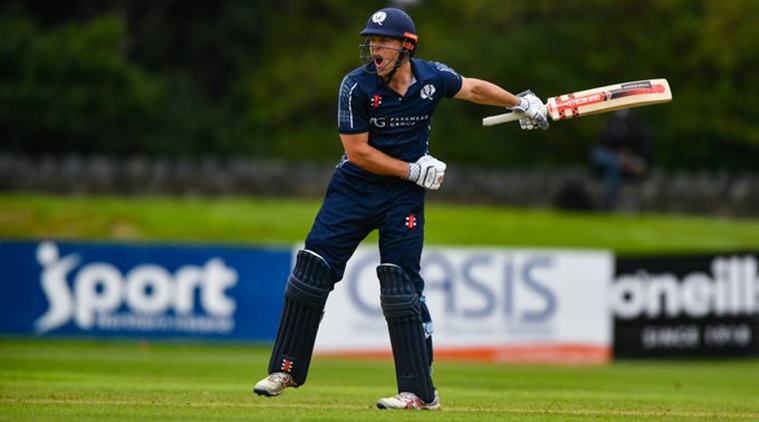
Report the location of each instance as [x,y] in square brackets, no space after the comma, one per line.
[147,298]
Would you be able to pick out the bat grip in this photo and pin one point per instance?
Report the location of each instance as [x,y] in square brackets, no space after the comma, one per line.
[500,118]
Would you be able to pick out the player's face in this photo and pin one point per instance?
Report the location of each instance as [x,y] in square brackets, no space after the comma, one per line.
[385,52]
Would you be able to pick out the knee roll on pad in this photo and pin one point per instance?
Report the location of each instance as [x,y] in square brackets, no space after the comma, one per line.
[311,280]
[305,296]
[402,310]
[312,267]
[397,295]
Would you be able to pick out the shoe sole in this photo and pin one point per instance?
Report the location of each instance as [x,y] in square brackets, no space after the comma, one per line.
[383,407]
[265,393]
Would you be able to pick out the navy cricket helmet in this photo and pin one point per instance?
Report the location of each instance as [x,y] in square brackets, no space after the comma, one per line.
[392,23]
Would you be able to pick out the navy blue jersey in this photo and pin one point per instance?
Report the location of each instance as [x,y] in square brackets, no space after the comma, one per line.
[398,125]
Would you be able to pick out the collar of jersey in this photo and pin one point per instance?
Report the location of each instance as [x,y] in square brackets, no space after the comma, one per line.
[414,72]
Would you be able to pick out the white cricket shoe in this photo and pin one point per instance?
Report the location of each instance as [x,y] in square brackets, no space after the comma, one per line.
[274,384]
[410,401]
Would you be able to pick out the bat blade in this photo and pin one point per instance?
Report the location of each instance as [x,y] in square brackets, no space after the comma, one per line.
[598,100]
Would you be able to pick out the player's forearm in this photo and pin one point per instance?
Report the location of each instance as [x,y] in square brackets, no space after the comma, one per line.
[488,93]
[375,161]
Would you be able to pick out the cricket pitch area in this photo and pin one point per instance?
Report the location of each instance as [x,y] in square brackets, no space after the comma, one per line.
[98,380]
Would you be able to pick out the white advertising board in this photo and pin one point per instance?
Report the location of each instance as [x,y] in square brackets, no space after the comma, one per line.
[515,305]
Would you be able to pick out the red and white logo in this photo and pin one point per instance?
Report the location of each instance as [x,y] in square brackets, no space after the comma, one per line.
[376,100]
[287,365]
[411,221]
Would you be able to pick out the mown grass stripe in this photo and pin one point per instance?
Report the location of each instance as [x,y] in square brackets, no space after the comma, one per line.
[460,409]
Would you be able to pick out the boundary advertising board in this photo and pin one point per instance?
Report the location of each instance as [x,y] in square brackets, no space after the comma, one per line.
[501,304]
[686,306]
[513,305]
[146,291]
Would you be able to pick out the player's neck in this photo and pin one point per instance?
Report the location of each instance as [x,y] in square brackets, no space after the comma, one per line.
[402,78]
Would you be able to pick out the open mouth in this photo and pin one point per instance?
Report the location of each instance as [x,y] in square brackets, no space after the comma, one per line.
[378,60]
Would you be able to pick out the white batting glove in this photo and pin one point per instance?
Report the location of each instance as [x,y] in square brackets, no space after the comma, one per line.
[528,124]
[533,110]
[427,172]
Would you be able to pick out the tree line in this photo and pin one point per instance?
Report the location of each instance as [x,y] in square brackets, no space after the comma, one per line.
[260,78]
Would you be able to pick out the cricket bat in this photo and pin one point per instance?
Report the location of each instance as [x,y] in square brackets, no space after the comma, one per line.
[598,100]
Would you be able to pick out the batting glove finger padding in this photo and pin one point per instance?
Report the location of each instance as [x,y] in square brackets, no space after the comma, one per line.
[533,108]
[528,124]
[427,172]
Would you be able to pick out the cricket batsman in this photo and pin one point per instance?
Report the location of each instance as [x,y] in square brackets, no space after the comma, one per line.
[384,116]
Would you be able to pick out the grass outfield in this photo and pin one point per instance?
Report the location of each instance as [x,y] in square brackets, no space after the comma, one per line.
[71,380]
[61,380]
[281,221]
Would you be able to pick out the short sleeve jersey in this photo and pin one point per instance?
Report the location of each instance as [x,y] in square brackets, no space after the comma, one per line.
[398,125]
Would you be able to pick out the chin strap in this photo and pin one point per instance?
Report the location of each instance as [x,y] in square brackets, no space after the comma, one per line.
[389,77]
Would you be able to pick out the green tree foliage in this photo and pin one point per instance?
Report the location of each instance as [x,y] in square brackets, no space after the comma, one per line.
[70,88]
[260,78]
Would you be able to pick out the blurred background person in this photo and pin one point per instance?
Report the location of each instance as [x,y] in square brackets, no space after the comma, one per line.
[623,152]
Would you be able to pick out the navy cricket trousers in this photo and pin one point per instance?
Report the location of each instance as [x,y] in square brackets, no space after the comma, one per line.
[353,207]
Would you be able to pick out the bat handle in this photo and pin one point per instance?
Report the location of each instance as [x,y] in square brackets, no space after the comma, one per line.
[500,118]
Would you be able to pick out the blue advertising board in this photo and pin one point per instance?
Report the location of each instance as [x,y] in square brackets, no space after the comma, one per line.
[52,288]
